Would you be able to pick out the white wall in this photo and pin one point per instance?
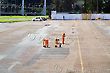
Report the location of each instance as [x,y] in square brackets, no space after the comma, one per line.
[66,16]
[102,16]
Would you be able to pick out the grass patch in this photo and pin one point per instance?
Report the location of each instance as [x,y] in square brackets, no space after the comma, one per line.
[11,19]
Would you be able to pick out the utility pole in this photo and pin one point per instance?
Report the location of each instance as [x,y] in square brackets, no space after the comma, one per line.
[22,8]
[44,8]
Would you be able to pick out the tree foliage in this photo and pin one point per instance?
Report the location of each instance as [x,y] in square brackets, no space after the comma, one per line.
[89,6]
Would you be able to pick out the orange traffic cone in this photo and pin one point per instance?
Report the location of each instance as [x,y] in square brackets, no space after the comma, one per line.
[46,43]
[56,42]
[63,38]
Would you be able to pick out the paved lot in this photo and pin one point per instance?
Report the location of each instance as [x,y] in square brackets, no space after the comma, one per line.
[86,48]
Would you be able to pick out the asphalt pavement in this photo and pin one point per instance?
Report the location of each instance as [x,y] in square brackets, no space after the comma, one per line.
[86,48]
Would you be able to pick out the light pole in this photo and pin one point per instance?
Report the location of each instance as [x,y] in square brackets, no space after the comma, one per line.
[44,8]
[22,8]
[97,6]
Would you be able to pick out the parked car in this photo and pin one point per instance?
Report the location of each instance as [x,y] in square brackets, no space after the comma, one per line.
[39,19]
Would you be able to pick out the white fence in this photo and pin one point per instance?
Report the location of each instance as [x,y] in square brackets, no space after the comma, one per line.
[66,16]
[102,16]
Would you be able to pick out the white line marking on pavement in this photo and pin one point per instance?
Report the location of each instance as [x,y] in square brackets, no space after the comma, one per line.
[80,55]
[79,50]
[2,57]
[13,65]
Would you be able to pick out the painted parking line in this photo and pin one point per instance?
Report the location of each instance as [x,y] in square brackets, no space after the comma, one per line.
[13,65]
[80,55]
[2,57]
